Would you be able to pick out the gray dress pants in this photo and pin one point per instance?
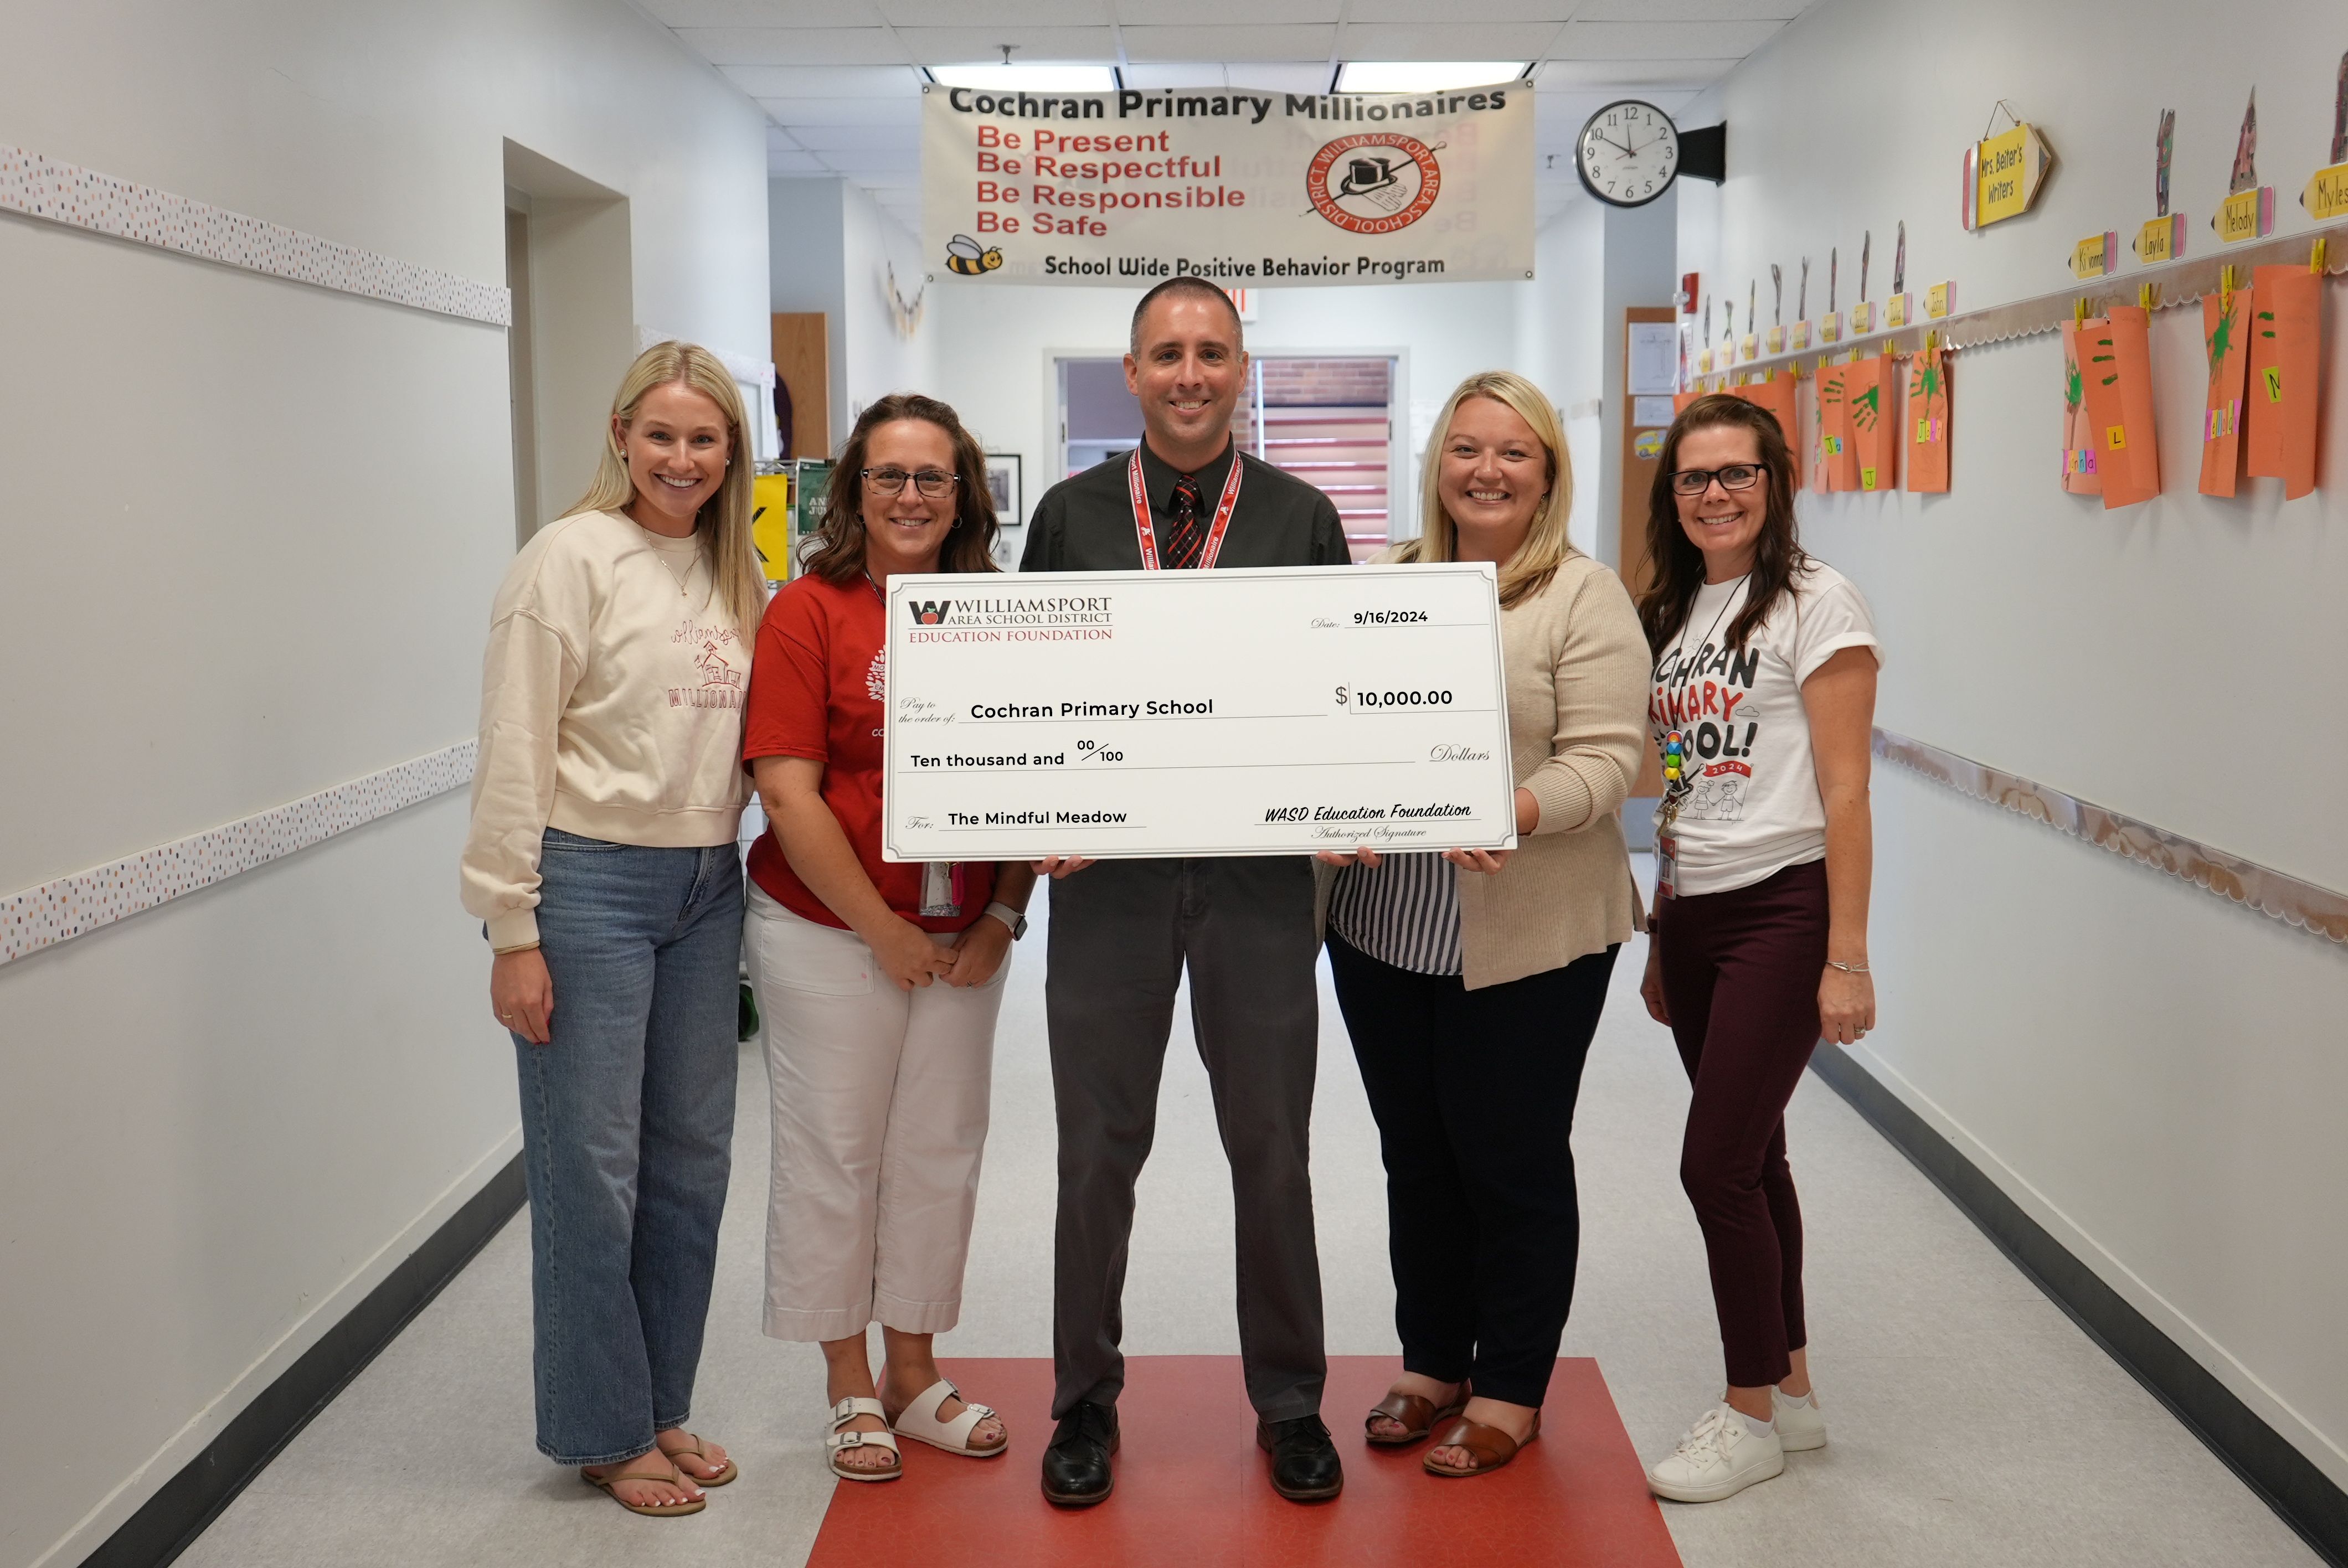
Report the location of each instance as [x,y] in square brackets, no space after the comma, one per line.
[1121,932]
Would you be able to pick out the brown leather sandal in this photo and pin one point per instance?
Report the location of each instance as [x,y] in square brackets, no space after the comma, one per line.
[1417,1414]
[1490,1446]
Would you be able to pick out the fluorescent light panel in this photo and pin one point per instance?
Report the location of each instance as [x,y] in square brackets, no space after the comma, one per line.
[1425,75]
[1028,78]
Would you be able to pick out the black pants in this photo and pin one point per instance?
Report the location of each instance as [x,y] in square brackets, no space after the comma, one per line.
[1473,1094]
[1122,933]
[1741,978]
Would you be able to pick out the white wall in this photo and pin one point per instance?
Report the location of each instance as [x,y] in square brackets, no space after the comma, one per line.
[252,529]
[831,248]
[2153,1074]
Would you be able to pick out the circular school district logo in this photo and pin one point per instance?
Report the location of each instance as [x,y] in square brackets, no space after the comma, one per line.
[1374,183]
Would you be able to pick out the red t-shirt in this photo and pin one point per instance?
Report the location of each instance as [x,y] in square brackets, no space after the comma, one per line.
[817,682]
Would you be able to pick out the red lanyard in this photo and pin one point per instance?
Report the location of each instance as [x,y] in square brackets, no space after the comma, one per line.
[1149,535]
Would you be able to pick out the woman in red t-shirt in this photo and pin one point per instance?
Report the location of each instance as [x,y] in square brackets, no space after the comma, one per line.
[879,982]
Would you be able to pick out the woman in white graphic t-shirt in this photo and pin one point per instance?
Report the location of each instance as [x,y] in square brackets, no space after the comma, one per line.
[1763,687]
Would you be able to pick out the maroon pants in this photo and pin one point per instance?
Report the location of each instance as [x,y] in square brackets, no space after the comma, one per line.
[1740,972]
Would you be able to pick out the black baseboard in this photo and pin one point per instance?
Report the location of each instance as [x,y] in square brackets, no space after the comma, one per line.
[2290,1483]
[168,1522]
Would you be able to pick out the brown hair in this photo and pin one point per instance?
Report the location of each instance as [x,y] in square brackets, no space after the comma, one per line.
[839,553]
[1185,284]
[1678,565]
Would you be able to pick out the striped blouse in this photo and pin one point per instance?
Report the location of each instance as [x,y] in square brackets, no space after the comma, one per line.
[1404,912]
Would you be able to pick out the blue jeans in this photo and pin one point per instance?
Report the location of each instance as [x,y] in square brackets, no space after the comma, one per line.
[627,1119]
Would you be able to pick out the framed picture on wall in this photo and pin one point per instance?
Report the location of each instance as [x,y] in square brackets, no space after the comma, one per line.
[1003,485]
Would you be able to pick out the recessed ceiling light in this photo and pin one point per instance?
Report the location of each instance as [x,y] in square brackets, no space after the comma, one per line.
[1425,76]
[1028,78]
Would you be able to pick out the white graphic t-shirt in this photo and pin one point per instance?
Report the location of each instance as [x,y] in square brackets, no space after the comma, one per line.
[1753,808]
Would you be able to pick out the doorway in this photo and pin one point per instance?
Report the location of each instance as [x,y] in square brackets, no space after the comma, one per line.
[1326,418]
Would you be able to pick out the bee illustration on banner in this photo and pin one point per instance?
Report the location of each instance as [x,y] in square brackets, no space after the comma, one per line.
[963,255]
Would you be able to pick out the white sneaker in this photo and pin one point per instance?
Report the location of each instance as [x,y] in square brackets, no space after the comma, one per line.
[1720,1456]
[1800,1427]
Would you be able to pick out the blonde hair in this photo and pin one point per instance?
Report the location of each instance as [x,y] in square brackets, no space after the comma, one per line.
[724,524]
[1546,546]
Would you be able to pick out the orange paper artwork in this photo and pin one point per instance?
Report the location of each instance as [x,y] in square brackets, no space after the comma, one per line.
[1837,434]
[2286,308]
[2080,477]
[2116,359]
[2225,333]
[1874,394]
[1926,422]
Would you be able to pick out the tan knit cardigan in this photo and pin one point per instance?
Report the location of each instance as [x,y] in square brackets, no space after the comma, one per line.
[1577,668]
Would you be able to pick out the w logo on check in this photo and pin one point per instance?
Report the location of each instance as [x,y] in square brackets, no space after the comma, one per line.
[930,611]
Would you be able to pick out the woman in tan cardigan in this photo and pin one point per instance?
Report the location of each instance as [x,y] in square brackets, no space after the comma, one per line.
[1471,981]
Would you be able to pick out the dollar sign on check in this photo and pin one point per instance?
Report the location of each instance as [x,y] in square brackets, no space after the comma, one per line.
[1341,696]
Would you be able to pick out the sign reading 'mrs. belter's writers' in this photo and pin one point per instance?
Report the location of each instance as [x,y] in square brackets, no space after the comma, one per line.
[1248,189]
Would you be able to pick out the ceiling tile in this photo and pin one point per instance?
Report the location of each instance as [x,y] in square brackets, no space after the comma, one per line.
[1150,75]
[1553,11]
[1661,40]
[959,45]
[1558,116]
[857,137]
[776,137]
[859,160]
[1281,77]
[1446,41]
[794,46]
[1213,13]
[1690,10]
[996,12]
[1580,76]
[843,111]
[827,81]
[781,162]
[1281,41]
[765,13]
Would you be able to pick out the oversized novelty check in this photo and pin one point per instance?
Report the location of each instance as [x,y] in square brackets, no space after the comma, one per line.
[1266,711]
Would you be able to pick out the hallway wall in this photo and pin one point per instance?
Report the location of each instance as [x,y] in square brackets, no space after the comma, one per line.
[2153,1074]
[252,529]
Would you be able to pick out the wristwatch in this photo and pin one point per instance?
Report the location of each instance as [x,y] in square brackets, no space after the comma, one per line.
[1009,917]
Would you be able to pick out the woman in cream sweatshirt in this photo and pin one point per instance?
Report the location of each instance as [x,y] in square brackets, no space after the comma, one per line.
[1471,981]
[601,860]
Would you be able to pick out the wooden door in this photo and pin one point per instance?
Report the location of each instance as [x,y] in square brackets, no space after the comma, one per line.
[802,354]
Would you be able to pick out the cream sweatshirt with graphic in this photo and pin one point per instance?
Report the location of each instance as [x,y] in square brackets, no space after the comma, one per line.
[611,707]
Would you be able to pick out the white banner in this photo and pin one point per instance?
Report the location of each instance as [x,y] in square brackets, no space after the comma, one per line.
[1251,189]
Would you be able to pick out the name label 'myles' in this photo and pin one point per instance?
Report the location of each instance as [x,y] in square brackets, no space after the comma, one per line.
[1260,711]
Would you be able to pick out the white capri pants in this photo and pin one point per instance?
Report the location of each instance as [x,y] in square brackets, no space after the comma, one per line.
[879,1118]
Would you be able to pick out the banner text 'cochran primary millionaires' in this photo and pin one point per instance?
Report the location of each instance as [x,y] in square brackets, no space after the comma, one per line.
[1174,181]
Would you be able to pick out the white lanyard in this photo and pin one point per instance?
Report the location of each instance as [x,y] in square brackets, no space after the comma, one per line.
[1149,535]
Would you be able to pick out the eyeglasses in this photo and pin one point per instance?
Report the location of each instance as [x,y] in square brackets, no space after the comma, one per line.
[1696,481]
[934,484]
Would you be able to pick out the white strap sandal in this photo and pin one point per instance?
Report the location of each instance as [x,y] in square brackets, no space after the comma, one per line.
[919,1421]
[840,1442]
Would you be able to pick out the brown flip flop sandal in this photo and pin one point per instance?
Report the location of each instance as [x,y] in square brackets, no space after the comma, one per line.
[604,1483]
[1417,1414]
[1489,1446]
[695,1450]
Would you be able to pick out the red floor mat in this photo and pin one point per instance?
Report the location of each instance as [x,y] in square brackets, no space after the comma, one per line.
[1192,1487]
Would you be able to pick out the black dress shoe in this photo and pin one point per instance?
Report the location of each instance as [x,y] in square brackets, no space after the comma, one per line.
[1076,1467]
[1304,1465]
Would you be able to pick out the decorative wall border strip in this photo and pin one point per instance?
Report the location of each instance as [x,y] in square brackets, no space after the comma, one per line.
[2318,911]
[74,906]
[66,193]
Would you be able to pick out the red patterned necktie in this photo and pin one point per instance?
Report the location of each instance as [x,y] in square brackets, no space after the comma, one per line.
[1186,537]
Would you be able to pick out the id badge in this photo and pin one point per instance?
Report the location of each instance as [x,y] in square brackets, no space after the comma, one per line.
[1667,865]
[942,884]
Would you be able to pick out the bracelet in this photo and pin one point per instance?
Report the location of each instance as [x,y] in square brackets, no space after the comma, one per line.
[1848,969]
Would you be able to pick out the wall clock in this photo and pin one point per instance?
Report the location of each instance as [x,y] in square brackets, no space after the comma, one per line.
[1628,153]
